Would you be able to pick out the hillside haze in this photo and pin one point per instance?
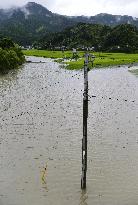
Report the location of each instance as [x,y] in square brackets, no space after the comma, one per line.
[33,21]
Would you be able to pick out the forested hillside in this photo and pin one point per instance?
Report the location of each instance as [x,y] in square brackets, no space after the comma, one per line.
[121,38]
[33,21]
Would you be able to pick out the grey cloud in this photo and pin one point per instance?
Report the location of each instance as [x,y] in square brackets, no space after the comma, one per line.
[79,7]
[10,3]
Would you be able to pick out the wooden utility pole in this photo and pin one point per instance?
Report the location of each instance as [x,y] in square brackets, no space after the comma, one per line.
[85,116]
[88,58]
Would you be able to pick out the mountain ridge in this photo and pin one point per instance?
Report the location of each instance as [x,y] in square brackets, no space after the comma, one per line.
[30,22]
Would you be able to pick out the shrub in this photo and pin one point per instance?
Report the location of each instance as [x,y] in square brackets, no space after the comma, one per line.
[11,55]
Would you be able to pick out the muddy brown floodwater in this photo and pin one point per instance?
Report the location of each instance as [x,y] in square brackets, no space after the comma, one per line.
[41,132]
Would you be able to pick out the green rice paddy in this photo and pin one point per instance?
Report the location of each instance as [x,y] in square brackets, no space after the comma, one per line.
[101,59]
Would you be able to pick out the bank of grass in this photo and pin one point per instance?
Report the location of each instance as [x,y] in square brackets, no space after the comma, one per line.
[50,54]
[101,60]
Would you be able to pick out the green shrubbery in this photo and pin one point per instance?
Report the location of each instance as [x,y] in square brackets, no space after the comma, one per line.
[11,55]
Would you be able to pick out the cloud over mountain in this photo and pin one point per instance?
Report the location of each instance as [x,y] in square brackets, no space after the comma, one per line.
[87,7]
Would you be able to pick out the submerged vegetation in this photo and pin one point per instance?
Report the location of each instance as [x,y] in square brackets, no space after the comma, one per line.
[11,55]
[102,59]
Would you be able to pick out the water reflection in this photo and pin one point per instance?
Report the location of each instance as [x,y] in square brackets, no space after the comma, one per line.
[45,186]
[7,80]
[44,178]
[83,198]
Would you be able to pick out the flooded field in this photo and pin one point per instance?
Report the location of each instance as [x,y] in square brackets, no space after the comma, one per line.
[41,132]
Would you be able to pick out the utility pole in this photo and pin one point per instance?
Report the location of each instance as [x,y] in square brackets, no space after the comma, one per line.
[88,58]
[85,116]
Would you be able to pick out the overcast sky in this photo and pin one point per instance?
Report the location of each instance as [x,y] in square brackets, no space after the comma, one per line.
[82,7]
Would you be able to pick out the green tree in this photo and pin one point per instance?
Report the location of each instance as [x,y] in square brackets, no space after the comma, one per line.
[11,55]
[4,63]
[122,38]
[6,43]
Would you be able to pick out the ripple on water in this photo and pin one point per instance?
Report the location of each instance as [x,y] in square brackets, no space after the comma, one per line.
[41,126]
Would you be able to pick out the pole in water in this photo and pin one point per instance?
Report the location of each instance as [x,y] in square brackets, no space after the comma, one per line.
[85,116]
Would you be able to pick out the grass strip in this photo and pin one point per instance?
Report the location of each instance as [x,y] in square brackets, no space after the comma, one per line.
[101,60]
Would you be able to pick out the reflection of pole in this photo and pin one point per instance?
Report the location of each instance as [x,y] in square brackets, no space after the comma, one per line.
[85,116]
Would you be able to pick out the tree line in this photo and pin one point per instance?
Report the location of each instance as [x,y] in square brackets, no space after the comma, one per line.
[121,38]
